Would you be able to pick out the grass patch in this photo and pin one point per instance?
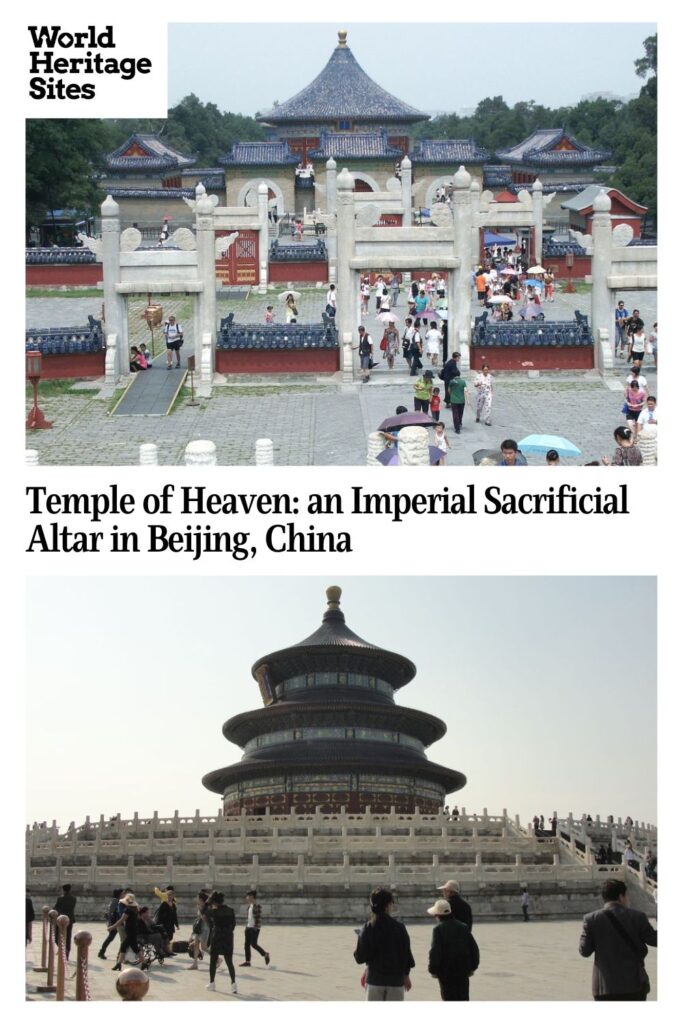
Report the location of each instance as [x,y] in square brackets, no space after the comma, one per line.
[183,396]
[580,287]
[67,293]
[60,388]
[116,397]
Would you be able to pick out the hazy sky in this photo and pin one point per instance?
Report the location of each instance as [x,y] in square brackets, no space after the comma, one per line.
[245,68]
[546,709]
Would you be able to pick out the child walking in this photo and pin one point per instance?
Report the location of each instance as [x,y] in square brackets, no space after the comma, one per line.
[441,442]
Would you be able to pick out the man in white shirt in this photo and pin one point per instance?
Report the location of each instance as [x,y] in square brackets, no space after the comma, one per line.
[647,421]
[173,333]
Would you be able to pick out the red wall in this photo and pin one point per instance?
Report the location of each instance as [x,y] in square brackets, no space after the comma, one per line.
[294,272]
[582,265]
[532,357]
[53,275]
[310,360]
[73,364]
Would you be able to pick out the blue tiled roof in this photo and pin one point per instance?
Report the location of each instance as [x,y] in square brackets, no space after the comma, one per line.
[448,151]
[150,193]
[497,175]
[159,155]
[259,153]
[554,186]
[354,146]
[343,90]
[538,149]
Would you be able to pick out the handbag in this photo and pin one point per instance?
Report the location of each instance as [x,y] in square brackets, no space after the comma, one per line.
[642,973]
[383,344]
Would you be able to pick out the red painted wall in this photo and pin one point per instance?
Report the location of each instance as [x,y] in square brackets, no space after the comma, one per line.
[522,358]
[295,272]
[315,360]
[54,275]
[582,266]
[72,365]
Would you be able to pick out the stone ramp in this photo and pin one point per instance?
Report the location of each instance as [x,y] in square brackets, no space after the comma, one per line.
[151,392]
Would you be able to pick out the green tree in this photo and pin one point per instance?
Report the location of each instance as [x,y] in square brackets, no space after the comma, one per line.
[63,158]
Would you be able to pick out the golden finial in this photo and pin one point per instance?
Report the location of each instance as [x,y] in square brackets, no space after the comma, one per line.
[333,596]
[342,33]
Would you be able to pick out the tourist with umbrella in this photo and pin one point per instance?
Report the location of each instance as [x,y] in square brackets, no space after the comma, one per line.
[290,299]
[543,444]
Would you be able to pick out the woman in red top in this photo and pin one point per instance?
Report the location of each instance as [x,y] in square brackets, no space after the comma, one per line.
[635,399]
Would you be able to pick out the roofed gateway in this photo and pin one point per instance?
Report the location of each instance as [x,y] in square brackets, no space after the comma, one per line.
[330,733]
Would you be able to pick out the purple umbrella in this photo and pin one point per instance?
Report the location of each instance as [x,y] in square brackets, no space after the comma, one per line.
[407,419]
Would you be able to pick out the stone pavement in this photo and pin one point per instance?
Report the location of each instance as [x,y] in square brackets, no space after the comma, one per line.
[534,961]
[318,421]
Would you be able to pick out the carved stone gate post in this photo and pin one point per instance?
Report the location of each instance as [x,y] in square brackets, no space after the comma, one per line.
[116,320]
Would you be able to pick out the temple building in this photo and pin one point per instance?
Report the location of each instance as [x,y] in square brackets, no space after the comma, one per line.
[330,734]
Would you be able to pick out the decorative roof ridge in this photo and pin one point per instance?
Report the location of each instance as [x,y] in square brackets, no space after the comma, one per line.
[140,139]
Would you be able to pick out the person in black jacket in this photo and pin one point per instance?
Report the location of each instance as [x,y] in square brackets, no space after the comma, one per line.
[167,914]
[221,938]
[460,908]
[113,914]
[454,955]
[384,945]
[30,918]
[66,904]
[129,920]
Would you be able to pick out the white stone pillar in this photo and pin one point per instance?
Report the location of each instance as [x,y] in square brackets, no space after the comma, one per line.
[346,299]
[201,453]
[116,322]
[347,358]
[602,314]
[537,202]
[206,270]
[149,455]
[459,316]
[32,457]
[475,196]
[263,237]
[406,191]
[264,452]
[413,446]
[376,445]
[331,183]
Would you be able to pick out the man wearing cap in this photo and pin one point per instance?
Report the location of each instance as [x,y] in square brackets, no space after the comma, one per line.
[460,908]
[453,955]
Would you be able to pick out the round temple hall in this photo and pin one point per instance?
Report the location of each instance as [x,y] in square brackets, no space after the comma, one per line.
[330,734]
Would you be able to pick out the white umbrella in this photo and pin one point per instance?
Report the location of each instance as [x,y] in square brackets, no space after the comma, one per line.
[283,296]
[536,270]
[499,298]
[509,270]
[387,318]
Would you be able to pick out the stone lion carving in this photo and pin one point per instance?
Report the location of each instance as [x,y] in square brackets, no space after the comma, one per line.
[413,446]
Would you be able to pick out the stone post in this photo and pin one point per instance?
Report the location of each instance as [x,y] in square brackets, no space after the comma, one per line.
[331,181]
[149,455]
[406,191]
[602,314]
[376,445]
[347,358]
[32,457]
[263,238]
[346,299]
[206,271]
[459,299]
[537,203]
[475,195]
[264,452]
[201,453]
[116,322]
[413,449]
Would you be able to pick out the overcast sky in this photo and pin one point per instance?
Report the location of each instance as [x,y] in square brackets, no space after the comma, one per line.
[546,707]
[245,68]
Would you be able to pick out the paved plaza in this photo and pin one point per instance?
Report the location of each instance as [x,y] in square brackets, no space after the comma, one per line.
[318,420]
[534,961]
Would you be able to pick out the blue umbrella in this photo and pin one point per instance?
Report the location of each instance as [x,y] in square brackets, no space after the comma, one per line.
[533,282]
[542,443]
